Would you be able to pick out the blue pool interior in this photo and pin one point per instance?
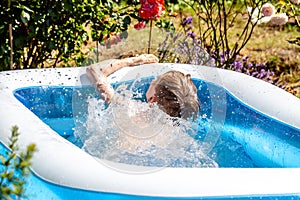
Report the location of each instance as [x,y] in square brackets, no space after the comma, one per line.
[54,105]
[39,189]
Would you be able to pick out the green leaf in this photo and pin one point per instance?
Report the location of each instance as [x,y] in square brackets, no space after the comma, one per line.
[25,17]
[127,20]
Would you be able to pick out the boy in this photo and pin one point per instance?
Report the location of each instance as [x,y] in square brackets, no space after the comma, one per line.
[175,94]
[173,91]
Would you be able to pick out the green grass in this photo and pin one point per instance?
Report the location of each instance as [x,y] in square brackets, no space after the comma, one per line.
[270,45]
[267,44]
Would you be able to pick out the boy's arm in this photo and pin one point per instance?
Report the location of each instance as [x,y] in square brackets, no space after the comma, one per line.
[129,62]
[100,82]
[98,77]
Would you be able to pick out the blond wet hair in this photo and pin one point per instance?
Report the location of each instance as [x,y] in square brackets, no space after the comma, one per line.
[177,95]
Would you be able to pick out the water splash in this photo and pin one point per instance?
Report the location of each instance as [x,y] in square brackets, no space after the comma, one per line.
[135,132]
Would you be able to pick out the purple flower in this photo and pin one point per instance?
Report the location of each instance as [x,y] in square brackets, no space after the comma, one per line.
[222,59]
[269,73]
[198,42]
[237,65]
[187,20]
[189,28]
[255,73]
[263,73]
[245,58]
[222,55]
[191,34]
[248,72]
[227,52]
[260,65]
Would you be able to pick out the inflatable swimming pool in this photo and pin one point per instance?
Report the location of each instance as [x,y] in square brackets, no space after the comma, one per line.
[264,119]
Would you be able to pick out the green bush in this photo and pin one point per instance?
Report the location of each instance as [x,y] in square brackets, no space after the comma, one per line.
[15,168]
[42,31]
[36,33]
[292,9]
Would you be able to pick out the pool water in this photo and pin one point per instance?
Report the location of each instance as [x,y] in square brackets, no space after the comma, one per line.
[239,136]
[39,189]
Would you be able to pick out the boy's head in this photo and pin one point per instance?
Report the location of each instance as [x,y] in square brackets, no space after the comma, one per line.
[175,94]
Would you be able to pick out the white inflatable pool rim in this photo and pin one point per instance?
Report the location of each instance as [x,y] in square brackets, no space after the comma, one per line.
[60,162]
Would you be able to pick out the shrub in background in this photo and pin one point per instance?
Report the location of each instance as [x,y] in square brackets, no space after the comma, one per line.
[292,8]
[214,22]
[182,46]
[47,33]
[44,33]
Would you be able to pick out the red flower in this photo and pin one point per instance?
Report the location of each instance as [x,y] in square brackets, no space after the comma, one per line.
[140,25]
[151,9]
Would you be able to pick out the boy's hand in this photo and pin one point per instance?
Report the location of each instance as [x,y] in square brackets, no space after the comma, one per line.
[148,58]
[130,62]
[142,59]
